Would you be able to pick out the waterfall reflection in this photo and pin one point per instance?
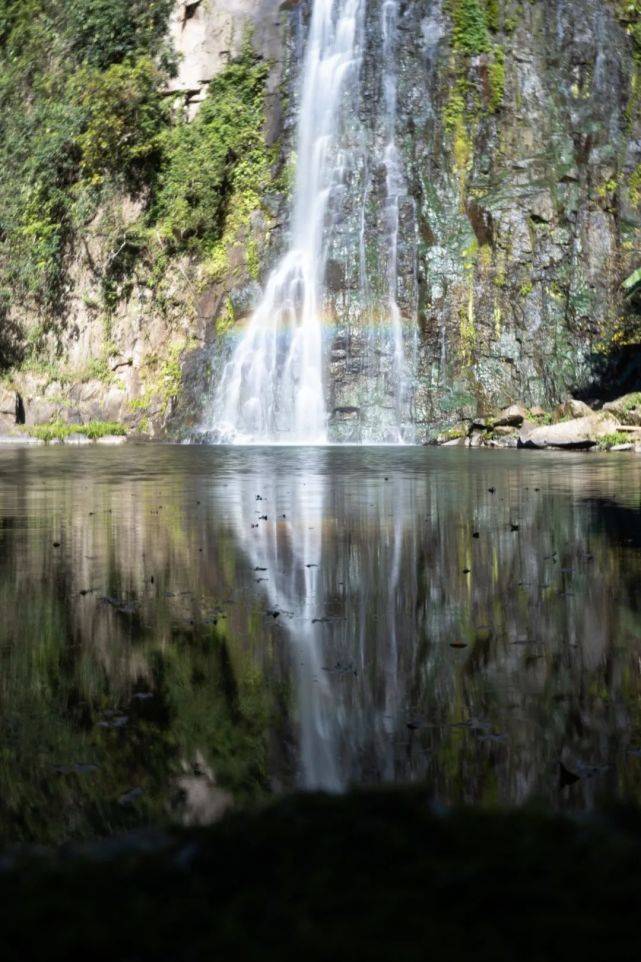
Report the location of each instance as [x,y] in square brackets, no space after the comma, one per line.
[334,556]
[200,627]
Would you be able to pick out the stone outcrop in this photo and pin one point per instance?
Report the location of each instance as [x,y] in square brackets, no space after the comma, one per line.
[627,409]
[579,433]
[207,34]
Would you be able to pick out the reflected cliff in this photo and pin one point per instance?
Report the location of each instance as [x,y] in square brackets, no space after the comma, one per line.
[185,629]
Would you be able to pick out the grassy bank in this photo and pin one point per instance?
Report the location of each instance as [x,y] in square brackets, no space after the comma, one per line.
[60,430]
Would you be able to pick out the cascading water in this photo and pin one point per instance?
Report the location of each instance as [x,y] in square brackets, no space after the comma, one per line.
[274,387]
[395,192]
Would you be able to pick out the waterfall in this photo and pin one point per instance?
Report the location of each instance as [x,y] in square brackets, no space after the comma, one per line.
[274,386]
[395,190]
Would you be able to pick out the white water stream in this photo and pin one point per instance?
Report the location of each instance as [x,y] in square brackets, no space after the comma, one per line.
[273,388]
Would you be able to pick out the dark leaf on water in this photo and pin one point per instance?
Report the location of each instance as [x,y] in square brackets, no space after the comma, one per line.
[566,777]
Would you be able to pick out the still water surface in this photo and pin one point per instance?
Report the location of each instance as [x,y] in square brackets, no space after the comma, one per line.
[185,628]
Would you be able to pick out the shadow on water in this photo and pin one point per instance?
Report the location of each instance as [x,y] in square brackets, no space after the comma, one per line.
[189,628]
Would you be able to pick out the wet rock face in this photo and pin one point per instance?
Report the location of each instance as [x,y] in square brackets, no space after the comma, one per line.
[524,211]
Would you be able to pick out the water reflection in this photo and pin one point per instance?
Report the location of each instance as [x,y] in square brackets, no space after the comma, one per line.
[188,628]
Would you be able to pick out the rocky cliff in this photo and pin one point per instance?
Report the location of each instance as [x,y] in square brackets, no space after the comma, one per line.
[519,129]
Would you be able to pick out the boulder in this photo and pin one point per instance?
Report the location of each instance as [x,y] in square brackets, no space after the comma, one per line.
[480,424]
[512,417]
[578,433]
[627,408]
[574,409]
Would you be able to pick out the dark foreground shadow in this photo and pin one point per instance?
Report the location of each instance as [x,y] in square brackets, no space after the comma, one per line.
[374,876]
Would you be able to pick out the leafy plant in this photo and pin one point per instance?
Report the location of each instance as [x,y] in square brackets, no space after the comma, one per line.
[123,116]
[614,438]
[220,153]
[59,430]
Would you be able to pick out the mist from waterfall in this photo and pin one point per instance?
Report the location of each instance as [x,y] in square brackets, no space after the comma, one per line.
[273,388]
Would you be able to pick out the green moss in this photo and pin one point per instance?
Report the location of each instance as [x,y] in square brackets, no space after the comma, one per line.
[98,370]
[252,259]
[467,103]
[468,324]
[493,13]
[634,186]
[496,73]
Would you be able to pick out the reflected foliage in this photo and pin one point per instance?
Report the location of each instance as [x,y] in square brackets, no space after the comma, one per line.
[185,629]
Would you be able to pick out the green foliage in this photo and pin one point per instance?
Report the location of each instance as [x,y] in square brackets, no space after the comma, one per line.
[221,153]
[632,401]
[493,8]
[59,430]
[541,419]
[470,26]
[103,32]
[614,438]
[80,112]
[123,115]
